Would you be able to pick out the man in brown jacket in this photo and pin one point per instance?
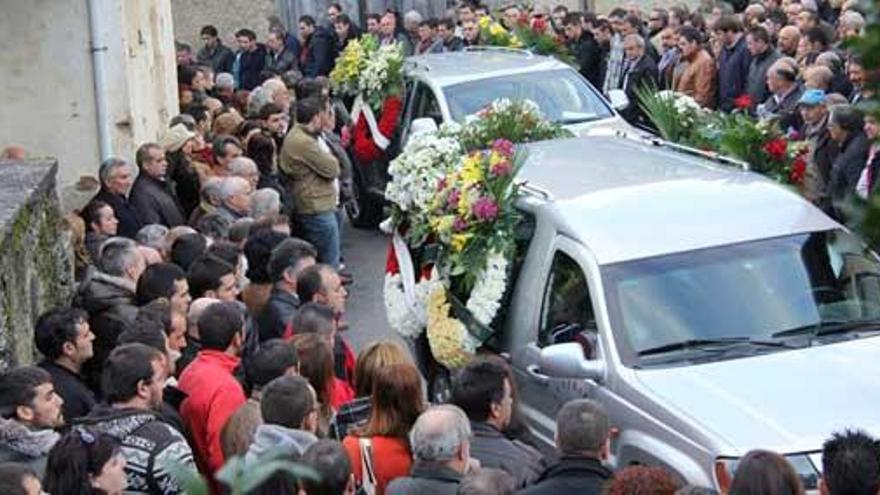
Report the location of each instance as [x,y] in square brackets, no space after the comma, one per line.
[312,173]
[697,79]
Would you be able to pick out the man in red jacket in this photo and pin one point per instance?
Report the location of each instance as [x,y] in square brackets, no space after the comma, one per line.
[213,394]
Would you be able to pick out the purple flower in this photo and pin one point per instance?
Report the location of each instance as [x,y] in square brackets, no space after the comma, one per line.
[485,208]
[452,200]
[503,146]
[441,184]
[500,169]
[459,224]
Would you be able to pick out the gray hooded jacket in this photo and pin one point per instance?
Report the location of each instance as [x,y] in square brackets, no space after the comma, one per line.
[276,438]
[18,443]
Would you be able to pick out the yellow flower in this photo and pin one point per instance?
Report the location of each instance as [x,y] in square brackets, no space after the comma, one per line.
[515,42]
[485,21]
[442,225]
[445,334]
[464,204]
[472,169]
[496,30]
[459,241]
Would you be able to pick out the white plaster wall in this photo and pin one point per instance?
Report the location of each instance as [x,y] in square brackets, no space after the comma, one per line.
[47,91]
[48,86]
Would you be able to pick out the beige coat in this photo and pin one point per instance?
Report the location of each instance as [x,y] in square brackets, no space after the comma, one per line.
[310,171]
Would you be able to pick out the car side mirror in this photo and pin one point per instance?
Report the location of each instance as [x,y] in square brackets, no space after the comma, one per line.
[422,125]
[567,361]
[618,98]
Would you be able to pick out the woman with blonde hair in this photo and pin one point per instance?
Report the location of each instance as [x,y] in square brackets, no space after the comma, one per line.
[374,357]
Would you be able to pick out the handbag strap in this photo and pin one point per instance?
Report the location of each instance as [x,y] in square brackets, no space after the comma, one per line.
[368,475]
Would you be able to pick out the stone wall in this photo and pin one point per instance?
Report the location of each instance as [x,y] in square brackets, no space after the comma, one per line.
[227,16]
[36,259]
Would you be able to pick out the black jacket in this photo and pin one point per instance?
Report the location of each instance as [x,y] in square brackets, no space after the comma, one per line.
[733,74]
[250,65]
[110,302]
[155,202]
[318,54]
[575,475]
[847,168]
[426,479]
[277,314]
[220,58]
[786,110]
[129,220]
[279,63]
[642,75]
[494,450]
[589,59]
[70,386]
[148,443]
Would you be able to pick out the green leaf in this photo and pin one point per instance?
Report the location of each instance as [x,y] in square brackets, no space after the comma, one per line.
[189,480]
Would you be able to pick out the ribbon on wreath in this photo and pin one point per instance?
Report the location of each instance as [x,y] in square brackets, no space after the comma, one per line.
[371,136]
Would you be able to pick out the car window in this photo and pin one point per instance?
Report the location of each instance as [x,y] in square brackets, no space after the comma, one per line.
[751,290]
[426,104]
[567,312]
[562,95]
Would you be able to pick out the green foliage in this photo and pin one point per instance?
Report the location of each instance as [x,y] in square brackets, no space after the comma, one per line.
[241,478]
[517,121]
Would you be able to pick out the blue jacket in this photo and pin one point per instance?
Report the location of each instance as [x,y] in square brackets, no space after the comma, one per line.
[733,73]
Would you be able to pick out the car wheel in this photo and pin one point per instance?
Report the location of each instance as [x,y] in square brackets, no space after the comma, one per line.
[364,211]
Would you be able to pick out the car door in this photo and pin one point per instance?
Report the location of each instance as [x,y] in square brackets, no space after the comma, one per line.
[566,316]
[423,103]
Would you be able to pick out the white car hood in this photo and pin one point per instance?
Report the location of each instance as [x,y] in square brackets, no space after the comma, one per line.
[789,401]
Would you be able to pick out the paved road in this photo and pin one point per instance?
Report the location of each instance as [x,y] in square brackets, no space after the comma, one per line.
[364,252]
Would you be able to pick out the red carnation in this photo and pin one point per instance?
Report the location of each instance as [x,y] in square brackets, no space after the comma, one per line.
[391,266]
[743,101]
[798,171]
[539,24]
[776,148]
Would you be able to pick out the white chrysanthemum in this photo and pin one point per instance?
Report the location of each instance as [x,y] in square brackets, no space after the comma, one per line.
[406,321]
[485,298]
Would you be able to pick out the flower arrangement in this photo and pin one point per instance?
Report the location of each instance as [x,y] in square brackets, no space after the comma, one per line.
[529,36]
[453,195]
[374,75]
[760,143]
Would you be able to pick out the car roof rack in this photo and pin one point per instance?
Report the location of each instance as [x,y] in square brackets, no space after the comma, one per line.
[505,49]
[690,150]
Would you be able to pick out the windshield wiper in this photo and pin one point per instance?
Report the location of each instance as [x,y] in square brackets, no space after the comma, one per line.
[702,343]
[830,328]
[577,120]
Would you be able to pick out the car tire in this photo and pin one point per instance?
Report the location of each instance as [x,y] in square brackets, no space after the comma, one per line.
[364,210]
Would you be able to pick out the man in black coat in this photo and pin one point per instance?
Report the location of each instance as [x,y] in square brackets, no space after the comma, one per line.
[846,127]
[639,71]
[288,259]
[280,58]
[585,49]
[63,336]
[249,61]
[151,196]
[115,175]
[583,443]
[319,48]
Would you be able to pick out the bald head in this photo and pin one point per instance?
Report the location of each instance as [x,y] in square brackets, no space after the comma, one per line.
[441,434]
[788,39]
[196,308]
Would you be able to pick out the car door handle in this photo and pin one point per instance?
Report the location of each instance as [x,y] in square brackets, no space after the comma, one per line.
[535,373]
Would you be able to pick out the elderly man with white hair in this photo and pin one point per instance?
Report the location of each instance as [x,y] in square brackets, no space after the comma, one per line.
[440,443]
[265,203]
[235,199]
[244,168]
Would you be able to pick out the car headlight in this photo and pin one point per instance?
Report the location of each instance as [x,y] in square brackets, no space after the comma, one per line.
[808,471]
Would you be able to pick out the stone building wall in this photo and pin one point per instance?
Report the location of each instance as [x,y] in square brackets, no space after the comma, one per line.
[36,260]
[227,16]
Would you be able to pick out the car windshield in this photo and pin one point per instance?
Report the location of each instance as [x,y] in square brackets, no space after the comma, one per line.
[765,292]
[562,95]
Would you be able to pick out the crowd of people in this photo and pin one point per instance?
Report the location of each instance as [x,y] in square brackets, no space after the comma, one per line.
[209,320]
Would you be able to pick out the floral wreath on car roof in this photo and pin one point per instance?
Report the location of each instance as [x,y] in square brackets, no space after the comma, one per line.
[373,75]
[453,219]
